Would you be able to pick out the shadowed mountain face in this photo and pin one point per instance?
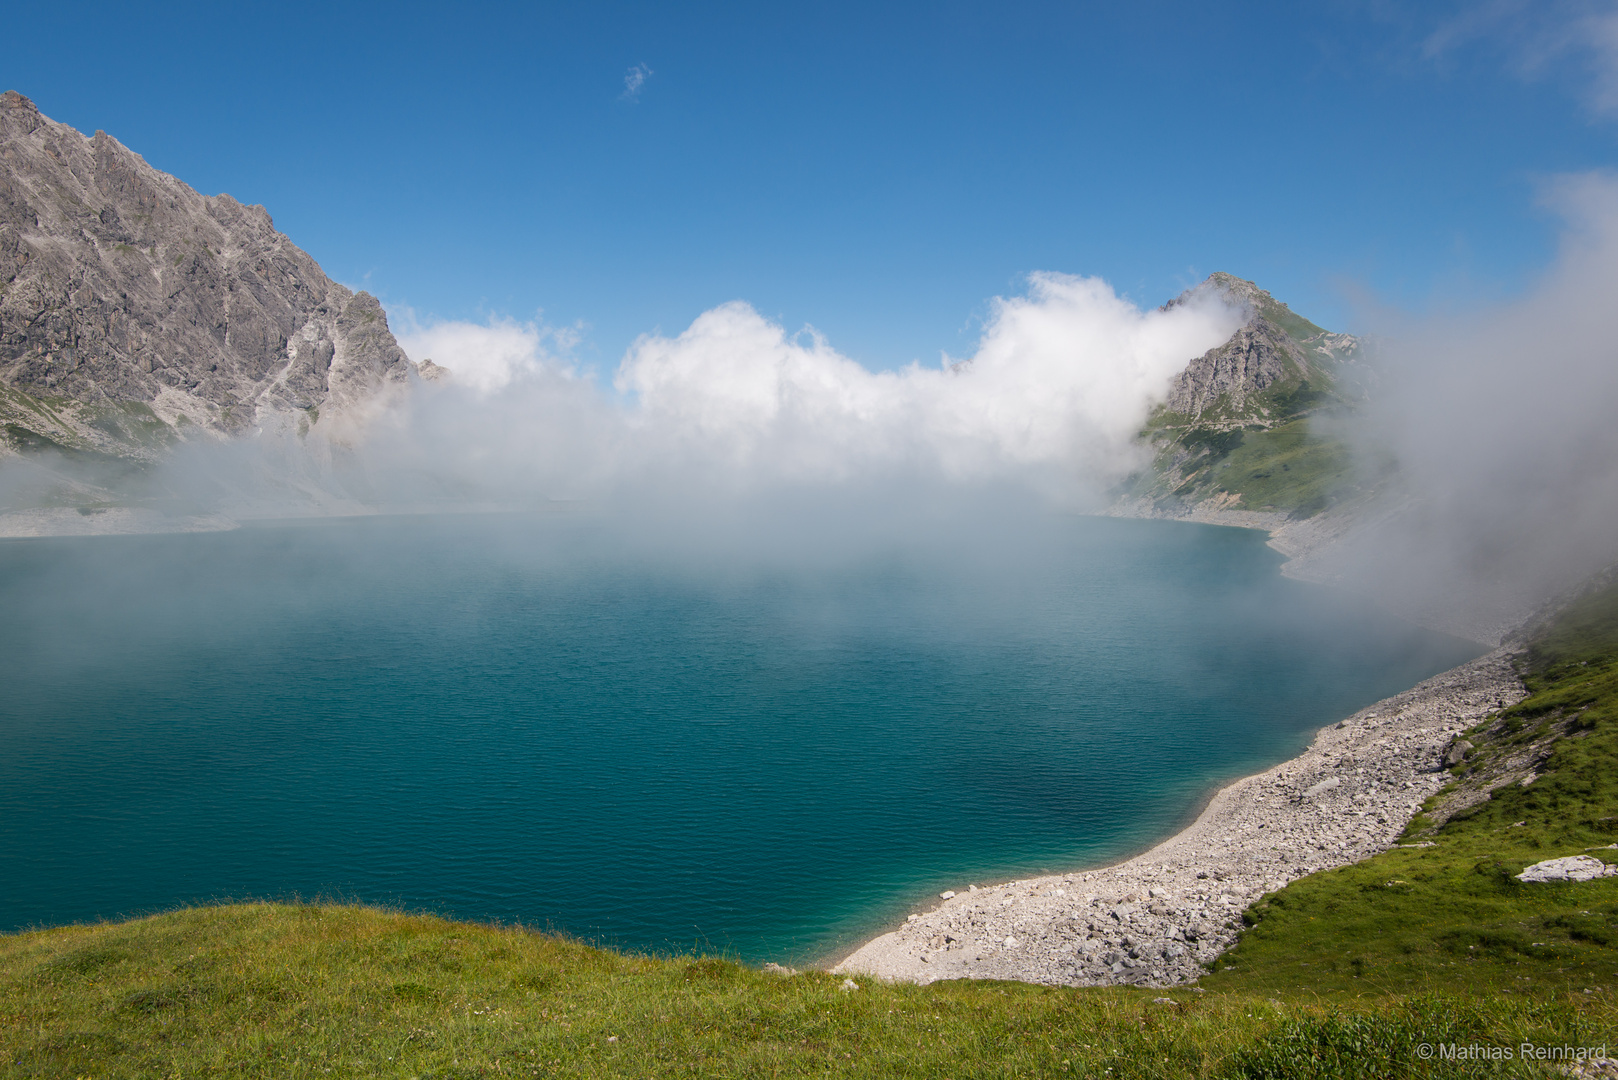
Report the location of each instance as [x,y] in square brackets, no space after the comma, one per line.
[134,310]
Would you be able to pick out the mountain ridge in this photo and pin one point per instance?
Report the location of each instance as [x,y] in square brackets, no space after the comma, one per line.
[136,312]
[1274,348]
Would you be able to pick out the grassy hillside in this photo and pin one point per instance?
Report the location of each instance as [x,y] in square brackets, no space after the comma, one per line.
[1447,914]
[1288,468]
[308,991]
[1345,974]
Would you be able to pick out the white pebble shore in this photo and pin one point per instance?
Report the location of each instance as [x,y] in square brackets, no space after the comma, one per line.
[1157,918]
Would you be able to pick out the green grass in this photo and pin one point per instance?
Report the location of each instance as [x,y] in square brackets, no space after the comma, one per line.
[267,990]
[1287,468]
[133,422]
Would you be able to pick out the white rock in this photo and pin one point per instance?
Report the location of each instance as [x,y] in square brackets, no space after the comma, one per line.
[947,894]
[1572,868]
[849,984]
[1322,787]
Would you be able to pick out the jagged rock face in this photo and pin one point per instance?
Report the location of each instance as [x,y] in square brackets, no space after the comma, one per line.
[119,284]
[1255,358]
[1273,346]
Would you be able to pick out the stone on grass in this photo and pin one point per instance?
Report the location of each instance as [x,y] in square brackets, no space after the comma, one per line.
[1572,868]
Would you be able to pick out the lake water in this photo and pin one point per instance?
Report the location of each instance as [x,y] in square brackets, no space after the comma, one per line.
[527,718]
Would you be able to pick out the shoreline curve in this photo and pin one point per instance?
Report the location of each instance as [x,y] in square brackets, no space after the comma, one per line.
[1157,918]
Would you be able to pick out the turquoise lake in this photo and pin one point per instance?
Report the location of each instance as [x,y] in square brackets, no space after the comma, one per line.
[526,718]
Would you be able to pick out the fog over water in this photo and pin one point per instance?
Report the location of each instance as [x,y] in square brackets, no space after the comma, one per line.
[1498,414]
[764,643]
[769,738]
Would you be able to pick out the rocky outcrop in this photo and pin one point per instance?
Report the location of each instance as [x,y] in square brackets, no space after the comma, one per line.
[1253,360]
[134,310]
[1236,429]
[1571,868]
[1274,348]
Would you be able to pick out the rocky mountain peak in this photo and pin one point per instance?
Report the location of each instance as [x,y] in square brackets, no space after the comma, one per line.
[1237,287]
[135,311]
[1235,432]
[1273,352]
[20,111]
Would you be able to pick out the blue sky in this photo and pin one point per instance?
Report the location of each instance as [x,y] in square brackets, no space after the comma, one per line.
[878,172]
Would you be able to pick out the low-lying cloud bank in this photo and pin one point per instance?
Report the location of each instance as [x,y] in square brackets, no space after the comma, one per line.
[1504,421]
[1059,384]
[1501,419]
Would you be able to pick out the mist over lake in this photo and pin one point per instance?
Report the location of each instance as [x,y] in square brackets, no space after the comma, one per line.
[656,745]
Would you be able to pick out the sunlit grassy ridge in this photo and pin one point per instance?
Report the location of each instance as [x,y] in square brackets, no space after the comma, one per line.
[1345,974]
[307,991]
[1289,468]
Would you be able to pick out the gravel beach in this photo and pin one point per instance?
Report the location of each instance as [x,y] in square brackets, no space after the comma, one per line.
[1154,920]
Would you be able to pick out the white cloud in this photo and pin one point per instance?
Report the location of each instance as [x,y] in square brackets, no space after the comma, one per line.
[484,357]
[1061,380]
[633,81]
[1059,383]
[1540,38]
[1501,419]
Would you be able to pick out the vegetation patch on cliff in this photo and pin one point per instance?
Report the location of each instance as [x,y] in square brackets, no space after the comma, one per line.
[1288,469]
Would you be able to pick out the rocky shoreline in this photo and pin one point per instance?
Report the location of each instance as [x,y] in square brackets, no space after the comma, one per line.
[1157,918]
[113,521]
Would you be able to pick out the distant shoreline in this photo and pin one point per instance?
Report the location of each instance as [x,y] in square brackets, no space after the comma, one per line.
[59,522]
[1321,550]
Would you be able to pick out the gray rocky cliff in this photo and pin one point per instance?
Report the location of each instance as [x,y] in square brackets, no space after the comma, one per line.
[1274,349]
[134,310]
[1252,361]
